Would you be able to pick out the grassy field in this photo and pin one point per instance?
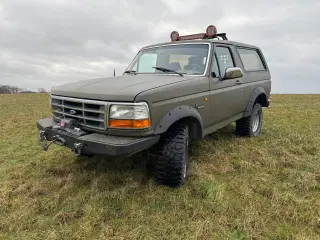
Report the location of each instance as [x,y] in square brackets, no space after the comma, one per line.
[238,188]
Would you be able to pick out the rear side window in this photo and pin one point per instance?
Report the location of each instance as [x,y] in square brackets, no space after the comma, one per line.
[251,59]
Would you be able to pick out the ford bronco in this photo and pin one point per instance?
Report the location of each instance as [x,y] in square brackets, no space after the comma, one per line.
[170,94]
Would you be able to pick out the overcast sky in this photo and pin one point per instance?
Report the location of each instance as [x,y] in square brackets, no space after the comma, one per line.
[49,42]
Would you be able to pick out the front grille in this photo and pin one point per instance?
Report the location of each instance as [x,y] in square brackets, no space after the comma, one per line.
[87,113]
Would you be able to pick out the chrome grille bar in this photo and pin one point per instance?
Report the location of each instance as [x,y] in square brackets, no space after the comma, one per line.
[88,113]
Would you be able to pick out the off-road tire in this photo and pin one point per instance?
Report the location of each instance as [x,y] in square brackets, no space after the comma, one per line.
[172,156]
[247,126]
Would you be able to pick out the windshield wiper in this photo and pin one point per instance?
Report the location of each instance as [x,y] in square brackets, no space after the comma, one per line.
[131,71]
[168,70]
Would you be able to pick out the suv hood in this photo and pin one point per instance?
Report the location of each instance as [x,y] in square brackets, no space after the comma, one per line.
[121,88]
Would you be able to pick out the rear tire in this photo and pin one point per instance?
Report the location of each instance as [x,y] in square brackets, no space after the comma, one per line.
[251,125]
[172,156]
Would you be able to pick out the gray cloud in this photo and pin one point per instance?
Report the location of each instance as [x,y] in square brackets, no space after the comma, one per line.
[45,43]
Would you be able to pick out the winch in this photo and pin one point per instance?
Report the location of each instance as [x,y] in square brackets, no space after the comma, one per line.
[65,126]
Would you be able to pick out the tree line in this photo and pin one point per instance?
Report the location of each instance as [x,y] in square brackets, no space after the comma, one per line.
[7,89]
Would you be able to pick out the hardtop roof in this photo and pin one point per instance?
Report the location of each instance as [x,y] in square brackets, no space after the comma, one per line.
[202,41]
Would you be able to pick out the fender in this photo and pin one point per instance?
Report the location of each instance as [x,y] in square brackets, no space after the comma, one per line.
[175,115]
[258,91]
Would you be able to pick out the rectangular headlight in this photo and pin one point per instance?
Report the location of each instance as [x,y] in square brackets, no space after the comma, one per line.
[129,116]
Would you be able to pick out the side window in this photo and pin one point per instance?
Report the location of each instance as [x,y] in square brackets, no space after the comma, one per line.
[224,58]
[214,68]
[251,59]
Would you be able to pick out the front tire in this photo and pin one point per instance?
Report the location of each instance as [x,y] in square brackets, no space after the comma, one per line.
[251,125]
[172,157]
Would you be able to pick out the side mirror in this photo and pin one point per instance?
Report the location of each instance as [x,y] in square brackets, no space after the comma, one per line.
[232,73]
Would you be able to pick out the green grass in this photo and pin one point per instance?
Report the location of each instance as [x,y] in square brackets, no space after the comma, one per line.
[238,188]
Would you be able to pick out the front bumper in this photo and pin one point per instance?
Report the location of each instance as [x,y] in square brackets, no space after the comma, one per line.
[93,143]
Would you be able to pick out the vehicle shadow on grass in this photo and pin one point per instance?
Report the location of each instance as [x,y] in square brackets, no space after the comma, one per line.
[137,166]
[141,166]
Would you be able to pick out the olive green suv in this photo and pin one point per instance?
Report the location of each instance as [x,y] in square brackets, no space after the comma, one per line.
[171,93]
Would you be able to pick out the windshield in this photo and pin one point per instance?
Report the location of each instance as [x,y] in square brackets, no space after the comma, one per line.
[188,59]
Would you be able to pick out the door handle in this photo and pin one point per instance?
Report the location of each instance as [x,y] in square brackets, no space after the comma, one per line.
[238,82]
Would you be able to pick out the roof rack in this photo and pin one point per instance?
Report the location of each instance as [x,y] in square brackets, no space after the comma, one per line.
[210,33]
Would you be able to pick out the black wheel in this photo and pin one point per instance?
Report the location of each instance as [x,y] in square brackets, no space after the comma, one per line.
[172,159]
[251,126]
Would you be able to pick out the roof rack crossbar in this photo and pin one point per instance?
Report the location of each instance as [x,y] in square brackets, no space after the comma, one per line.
[222,35]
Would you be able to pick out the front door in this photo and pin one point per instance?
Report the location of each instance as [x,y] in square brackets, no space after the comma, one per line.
[224,94]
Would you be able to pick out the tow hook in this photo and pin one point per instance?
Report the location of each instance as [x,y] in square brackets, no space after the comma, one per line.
[43,142]
[78,148]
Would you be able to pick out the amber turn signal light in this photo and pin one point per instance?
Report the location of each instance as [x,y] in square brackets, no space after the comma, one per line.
[121,123]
